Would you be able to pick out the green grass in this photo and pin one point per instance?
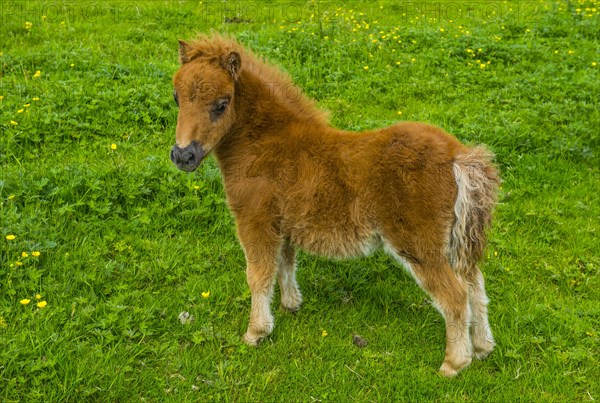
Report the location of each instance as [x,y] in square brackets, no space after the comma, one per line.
[127,242]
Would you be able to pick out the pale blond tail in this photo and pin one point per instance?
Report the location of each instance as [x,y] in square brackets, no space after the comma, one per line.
[477,181]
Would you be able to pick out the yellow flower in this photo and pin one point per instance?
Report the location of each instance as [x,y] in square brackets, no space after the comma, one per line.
[26,105]
[35,253]
[324,333]
[1,97]
[12,122]
[41,304]
[10,237]
[18,264]
[24,301]
[72,64]
[399,112]
[20,111]
[113,146]
[24,254]
[206,294]
[37,74]
[11,197]
[38,296]
[594,63]
[28,25]
[366,67]
[35,99]
[196,187]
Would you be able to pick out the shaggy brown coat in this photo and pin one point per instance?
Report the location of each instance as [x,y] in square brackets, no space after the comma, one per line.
[292,181]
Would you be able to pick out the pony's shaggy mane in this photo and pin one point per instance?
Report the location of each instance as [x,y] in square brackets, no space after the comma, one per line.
[283,90]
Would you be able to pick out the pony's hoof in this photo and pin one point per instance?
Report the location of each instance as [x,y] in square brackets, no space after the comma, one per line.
[481,351]
[291,301]
[291,309]
[450,370]
[252,340]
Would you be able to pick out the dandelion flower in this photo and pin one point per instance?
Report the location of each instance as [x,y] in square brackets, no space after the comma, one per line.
[25,301]
[594,64]
[35,99]
[26,105]
[196,187]
[324,333]
[399,112]
[18,264]
[366,68]
[20,111]
[38,296]
[35,253]
[10,237]
[1,97]
[28,25]
[13,123]
[206,294]
[72,65]
[24,254]
[41,304]
[37,74]
[113,146]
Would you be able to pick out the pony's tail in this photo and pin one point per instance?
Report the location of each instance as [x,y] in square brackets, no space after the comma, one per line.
[477,182]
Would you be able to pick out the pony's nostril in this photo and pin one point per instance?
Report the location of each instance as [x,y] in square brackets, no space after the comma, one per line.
[175,154]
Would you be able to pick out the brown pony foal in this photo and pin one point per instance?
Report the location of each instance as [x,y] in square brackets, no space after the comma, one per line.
[294,181]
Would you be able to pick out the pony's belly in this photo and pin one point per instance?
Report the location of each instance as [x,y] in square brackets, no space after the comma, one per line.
[336,243]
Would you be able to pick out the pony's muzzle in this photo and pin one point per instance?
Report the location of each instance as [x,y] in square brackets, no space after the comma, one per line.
[187,158]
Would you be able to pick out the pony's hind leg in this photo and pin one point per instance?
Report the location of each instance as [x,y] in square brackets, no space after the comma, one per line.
[291,298]
[481,334]
[450,296]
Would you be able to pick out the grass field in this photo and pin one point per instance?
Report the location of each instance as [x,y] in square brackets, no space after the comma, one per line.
[104,242]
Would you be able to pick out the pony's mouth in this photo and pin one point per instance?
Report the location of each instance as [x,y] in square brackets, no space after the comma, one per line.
[189,157]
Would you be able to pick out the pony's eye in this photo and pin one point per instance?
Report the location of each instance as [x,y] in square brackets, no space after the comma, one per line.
[175,97]
[218,109]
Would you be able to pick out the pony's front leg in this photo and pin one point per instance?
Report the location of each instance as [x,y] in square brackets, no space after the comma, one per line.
[260,272]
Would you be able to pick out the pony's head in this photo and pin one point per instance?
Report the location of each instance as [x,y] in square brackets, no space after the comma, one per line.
[204,91]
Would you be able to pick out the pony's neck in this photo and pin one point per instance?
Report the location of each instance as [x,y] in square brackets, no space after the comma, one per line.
[263,109]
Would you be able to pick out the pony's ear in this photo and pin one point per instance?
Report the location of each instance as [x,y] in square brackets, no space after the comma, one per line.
[184,50]
[232,62]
